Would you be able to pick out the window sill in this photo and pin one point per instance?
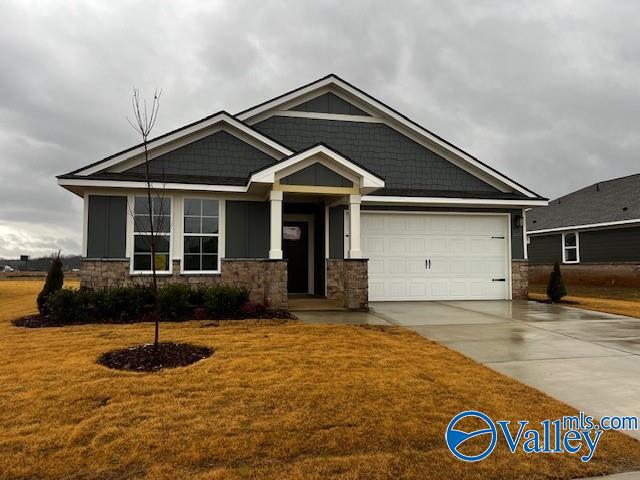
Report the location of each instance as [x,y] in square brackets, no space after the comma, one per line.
[201,272]
[163,274]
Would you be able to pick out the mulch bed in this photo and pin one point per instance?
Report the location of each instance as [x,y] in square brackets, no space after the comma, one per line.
[45,321]
[151,358]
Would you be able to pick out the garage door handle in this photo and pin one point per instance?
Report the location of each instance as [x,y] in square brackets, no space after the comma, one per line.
[501,238]
[498,279]
[427,264]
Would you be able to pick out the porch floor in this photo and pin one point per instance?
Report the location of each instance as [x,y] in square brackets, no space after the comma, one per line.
[309,303]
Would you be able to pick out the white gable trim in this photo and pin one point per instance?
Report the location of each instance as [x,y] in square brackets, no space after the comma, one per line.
[172,141]
[268,175]
[328,116]
[393,119]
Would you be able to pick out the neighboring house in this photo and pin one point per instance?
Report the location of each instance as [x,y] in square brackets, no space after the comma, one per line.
[594,232]
[323,190]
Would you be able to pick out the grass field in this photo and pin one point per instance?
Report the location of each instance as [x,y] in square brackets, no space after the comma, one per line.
[621,301]
[289,401]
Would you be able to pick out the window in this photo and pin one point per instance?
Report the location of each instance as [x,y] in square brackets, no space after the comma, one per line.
[201,235]
[570,247]
[161,215]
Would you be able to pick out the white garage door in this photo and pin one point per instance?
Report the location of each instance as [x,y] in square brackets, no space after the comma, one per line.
[436,256]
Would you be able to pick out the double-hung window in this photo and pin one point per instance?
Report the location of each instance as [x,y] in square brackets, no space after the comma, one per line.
[201,218]
[570,247]
[160,219]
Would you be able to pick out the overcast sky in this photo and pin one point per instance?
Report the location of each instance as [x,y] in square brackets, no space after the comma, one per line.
[546,92]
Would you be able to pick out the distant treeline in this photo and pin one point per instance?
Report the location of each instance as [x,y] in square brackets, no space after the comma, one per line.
[41,264]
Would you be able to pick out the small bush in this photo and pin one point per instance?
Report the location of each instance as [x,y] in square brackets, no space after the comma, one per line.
[556,289]
[123,304]
[68,306]
[53,283]
[134,303]
[174,301]
[223,301]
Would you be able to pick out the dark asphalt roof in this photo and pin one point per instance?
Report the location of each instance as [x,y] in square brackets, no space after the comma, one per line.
[608,201]
[163,178]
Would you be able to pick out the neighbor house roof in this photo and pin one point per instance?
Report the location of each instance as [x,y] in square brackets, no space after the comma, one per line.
[608,203]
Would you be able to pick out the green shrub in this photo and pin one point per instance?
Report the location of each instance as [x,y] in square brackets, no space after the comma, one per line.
[174,301]
[556,289]
[223,301]
[129,304]
[123,304]
[53,283]
[68,306]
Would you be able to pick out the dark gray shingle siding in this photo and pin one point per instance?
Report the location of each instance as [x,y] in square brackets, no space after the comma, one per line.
[317,174]
[329,103]
[403,163]
[218,155]
[599,203]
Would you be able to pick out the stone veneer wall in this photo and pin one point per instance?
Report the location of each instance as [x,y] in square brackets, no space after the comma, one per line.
[265,279]
[348,282]
[519,279]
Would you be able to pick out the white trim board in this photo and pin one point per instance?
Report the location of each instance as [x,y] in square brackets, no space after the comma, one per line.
[585,226]
[392,118]
[268,175]
[479,202]
[328,116]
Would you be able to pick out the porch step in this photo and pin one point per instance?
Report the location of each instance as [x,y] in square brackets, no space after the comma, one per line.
[314,304]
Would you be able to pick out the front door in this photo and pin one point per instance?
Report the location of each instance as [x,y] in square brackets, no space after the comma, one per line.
[295,248]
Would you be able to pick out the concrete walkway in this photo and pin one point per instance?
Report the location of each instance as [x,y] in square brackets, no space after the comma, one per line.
[589,360]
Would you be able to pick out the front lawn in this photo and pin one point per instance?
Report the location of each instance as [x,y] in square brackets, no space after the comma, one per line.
[620,301]
[273,401]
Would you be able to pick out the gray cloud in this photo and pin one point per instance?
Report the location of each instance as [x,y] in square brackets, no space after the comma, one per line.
[544,91]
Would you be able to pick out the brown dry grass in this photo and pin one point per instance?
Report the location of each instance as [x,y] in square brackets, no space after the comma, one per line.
[628,307]
[288,401]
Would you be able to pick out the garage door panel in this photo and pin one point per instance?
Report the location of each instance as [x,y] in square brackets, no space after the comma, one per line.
[373,244]
[464,253]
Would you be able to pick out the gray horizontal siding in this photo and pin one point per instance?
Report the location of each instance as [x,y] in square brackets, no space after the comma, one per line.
[317,174]
[107,227]
[218,155]
[610,245]
[403,163]
[247,229]
[545,248]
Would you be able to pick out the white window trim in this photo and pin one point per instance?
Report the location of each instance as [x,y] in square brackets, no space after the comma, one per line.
[132,213]
[220,235]
[577,248]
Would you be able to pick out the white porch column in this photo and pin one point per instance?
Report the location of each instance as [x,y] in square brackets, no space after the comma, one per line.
[354,227]
[275,249]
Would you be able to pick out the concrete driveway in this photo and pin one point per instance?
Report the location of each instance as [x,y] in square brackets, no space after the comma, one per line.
[589,360]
